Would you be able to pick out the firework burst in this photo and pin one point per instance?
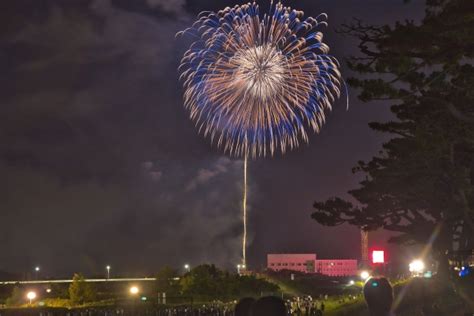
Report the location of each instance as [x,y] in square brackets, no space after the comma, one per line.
[257,84]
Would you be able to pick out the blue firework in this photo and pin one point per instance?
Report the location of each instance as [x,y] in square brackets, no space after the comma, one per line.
[258,83]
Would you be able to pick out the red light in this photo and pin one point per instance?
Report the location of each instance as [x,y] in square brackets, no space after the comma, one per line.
[378,256]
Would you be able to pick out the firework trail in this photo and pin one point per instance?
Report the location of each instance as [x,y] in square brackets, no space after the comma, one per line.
[256,84]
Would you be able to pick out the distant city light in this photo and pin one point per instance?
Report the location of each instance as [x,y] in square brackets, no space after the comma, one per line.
[134,290]
[31,296]
[378,256]
[364,275]
[37,269]
[416,266]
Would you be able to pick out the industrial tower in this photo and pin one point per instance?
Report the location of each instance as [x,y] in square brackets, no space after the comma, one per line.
[364,247]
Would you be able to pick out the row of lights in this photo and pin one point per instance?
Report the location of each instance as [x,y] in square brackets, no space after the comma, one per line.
[31,295]
[37,269]
[187,267]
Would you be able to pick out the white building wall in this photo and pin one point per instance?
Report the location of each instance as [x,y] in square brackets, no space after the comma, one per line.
[308,263]
[337,267]
[294,262]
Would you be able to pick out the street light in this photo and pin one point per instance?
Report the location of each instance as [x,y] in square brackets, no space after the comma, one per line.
[108,272]
[31,296]
[187,267]
[416,267]
[134,290]
[364,275]
[351,282]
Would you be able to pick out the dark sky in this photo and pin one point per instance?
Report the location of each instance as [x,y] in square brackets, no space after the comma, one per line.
[99,163]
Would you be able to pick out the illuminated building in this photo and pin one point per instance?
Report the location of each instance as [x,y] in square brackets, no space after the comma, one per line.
[308,263]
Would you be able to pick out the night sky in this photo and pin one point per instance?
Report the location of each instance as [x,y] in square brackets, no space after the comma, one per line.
[99,163]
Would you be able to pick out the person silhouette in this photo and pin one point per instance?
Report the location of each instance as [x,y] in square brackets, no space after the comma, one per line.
[269,306]
[378,294]
[244,306]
